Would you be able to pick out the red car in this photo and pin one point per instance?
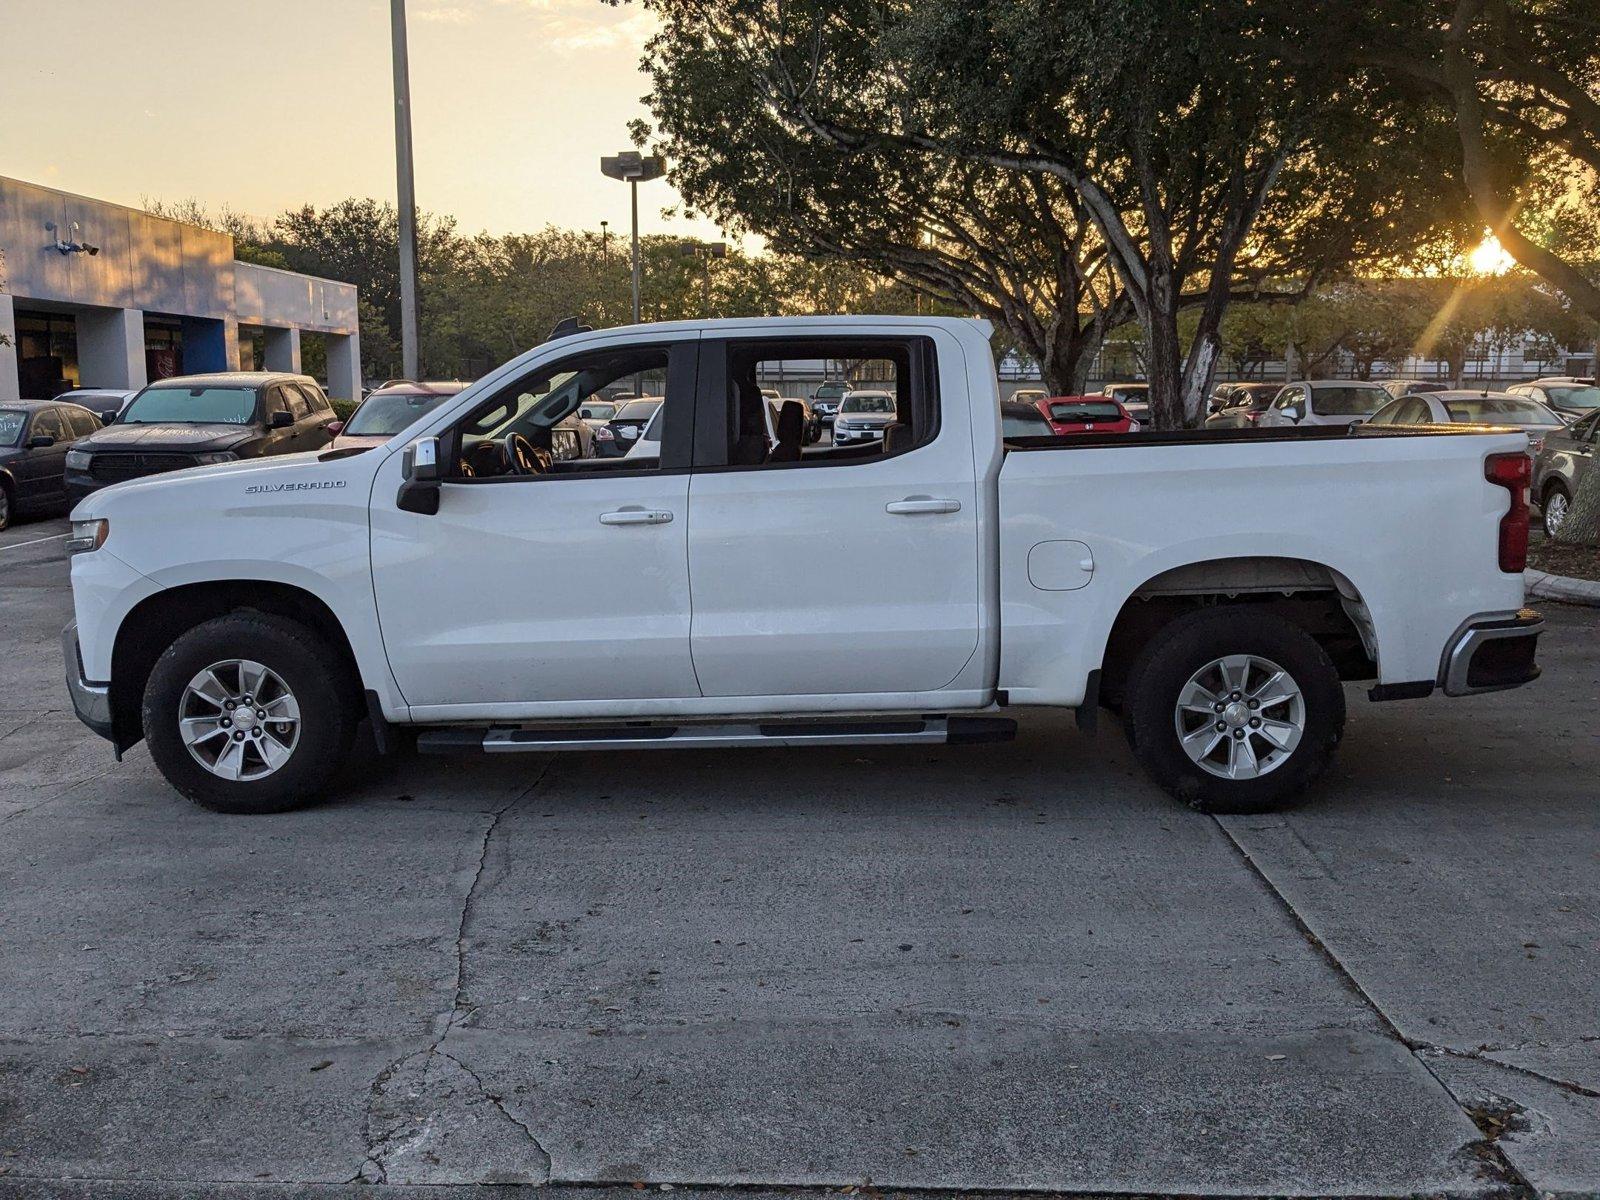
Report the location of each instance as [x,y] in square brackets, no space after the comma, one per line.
[1086,414]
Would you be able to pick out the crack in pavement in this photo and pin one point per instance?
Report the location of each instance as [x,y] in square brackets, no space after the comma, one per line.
[1493,1158]
[400,1133]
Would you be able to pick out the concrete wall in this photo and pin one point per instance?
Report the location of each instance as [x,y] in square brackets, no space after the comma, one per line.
[146,264]
[267,296]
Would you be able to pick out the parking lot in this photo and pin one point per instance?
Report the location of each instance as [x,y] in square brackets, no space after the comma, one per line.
[1001,968]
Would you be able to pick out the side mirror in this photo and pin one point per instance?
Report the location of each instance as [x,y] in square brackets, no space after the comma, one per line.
[420,467]
[334,428]
[108,416]
[280,420]
[1294,414]
[41,441]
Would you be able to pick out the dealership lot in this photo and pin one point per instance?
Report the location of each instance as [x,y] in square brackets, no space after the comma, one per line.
[1006,967]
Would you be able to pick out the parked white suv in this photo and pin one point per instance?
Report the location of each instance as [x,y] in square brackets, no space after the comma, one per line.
[1324,402]
[462,582]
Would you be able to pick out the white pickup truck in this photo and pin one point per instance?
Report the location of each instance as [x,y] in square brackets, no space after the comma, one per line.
[1213,589]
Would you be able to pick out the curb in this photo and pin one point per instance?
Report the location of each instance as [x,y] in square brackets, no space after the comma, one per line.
[1559,587]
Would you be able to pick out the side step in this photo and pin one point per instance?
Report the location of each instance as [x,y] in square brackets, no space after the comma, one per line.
[514,739]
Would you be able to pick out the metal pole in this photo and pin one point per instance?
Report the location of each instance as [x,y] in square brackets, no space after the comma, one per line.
[407,192]
[633,193]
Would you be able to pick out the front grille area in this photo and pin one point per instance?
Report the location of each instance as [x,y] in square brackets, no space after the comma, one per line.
[111,468]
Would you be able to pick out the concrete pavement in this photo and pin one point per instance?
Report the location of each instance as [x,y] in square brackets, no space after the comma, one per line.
[1003,968]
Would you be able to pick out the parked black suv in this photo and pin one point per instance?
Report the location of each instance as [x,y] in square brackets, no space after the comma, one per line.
[195,420]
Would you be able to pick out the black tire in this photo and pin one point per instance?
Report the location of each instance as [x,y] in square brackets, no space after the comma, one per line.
[8,504]
[1170,659]
[313,672]
[1555,487]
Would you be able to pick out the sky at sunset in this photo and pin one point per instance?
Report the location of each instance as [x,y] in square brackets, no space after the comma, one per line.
[266,104]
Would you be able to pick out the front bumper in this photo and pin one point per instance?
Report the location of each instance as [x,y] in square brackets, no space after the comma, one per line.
[80,484]
[1492,655]
[91,701]
[840,436]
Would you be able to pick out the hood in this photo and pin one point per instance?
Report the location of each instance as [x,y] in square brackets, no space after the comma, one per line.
[358,441]
[299,473]
[868,419]
[172,436]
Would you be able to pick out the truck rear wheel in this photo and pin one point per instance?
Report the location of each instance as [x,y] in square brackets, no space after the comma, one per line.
[1234,710]
[248,713]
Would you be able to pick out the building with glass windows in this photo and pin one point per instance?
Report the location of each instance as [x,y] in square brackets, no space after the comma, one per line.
[98,295]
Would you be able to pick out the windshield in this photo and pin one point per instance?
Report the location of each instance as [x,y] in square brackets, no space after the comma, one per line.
[867,402]
[192,405]
[1086,412]
[829,391]
[638,410]
[1490,409]
[1019,420]
[1256,397]
[1134,392]
[11,422]
[384,415]
[1575,399]
[1348,401]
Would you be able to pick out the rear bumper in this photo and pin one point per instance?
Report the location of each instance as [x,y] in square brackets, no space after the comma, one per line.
[91,701]
[1492,655]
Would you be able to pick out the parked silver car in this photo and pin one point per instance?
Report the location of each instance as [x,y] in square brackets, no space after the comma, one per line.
[863,416]
[1473,408]
[1569,395]
[1568,455]
[1323,402]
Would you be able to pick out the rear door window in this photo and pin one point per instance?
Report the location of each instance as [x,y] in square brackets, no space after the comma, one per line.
[47,423]
[82,421]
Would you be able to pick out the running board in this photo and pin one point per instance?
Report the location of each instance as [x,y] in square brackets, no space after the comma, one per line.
[512,739]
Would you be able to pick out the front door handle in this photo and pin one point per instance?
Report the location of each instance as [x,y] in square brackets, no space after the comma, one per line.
[922,504]
[636,516]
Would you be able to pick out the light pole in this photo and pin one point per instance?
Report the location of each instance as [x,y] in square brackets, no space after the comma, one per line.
[636,168]
[407,192]
[705,252]
[605,243]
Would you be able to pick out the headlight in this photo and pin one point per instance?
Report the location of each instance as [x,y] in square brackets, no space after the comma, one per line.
[221,456]
[604,434]
[88,535]
[1133,427]
[78,460]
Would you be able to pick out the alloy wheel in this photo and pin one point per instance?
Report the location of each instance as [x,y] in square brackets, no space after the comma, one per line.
[239,720]
[1240,717]
[1555,510]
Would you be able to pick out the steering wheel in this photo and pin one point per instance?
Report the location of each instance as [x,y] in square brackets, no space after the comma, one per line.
[523,457]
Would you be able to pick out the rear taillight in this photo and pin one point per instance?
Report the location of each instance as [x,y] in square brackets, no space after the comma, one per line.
[1512,472]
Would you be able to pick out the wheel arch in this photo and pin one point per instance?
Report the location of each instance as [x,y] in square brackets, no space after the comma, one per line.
[1313,595]
[156,621]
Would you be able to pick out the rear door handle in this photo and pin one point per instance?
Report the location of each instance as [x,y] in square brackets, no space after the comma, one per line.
[922,504]
[636,516]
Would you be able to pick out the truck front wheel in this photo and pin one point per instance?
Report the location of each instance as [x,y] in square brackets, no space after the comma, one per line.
[1234,710]
[248,713]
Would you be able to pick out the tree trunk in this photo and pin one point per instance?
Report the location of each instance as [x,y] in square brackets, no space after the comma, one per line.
[1162,351]
[1582,524]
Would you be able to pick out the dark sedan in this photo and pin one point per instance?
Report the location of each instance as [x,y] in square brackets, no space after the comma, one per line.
[197,420]
[34,436]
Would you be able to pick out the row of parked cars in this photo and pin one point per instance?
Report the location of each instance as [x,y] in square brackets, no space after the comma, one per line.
[57,451]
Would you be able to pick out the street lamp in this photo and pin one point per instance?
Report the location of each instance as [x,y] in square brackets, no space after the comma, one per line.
[705,252]
[635,168]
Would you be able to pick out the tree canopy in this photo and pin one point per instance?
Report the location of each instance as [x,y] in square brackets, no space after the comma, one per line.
[1202,157]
